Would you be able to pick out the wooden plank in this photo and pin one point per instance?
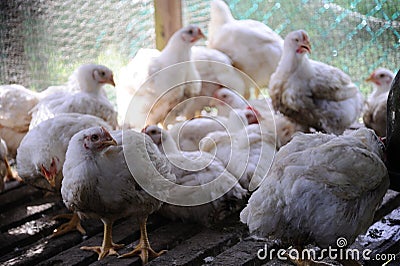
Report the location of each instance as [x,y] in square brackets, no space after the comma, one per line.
[47,247]
[277,262]
[390,202]
[192,251]
[163,238]
[23,193]
[382,237]
[25,234]
[124,232]
[75,256]
[29,210]
[39,246]
[11,185]
[243,253]
[168,19]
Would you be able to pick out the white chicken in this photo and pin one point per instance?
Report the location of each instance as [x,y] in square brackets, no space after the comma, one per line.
[312,93]
[98,182]
[215,70]
[253,47]
[320,187]
[90,99]
[207,192]
[41,155]
[225,99]
[285,128]
[375,110]
[247,153]
[15,103]
[154,82]
[188,134]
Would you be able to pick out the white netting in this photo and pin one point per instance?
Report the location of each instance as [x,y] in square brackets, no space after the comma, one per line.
[43,41]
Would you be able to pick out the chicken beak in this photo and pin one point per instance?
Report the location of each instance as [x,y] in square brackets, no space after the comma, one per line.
[200,35]
[49,175]
[109,140]
[371,78]
[308,48]
[111,81]
[306,45]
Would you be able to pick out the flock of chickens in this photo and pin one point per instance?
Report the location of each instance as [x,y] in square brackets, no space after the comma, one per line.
[187,140]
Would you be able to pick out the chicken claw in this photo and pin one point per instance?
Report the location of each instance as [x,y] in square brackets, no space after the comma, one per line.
[144,251]
[73,224]
[108,247]
[143,248]
[108,250]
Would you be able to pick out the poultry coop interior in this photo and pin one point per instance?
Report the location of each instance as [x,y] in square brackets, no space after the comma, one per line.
[43,42]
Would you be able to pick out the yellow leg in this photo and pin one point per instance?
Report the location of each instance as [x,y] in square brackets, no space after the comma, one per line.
[73,224]
[108,248]
[10,175]
[143,248]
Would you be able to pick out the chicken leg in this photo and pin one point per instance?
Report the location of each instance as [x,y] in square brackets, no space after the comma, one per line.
[143,247]
[73,224]
[108,247]
[10,175]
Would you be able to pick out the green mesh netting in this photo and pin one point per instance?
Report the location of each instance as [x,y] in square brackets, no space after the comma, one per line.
[42,41]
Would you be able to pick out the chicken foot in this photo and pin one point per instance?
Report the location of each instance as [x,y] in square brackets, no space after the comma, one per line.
[74,223]
[107,248]
[143,248]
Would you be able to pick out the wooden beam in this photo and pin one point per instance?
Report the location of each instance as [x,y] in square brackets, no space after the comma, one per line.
[168,19]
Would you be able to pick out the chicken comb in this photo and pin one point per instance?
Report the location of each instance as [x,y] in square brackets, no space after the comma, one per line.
[144,129]
[304,35]
[104,129]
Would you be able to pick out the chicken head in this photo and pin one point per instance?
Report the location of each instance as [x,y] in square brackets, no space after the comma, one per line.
[98,139]
[381,77]
[192,34]
[299,40]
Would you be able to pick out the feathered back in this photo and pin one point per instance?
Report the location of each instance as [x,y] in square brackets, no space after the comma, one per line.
[320,187]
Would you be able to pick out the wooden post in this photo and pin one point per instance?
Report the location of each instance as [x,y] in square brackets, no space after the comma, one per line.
[168,19]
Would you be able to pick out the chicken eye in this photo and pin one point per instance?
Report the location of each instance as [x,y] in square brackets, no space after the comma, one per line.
[190,32]
[381,75]
[94,138]
[153,132]
[224,96]
[103,73]
[297,40]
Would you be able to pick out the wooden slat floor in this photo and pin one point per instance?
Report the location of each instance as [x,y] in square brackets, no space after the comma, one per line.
[26,227]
